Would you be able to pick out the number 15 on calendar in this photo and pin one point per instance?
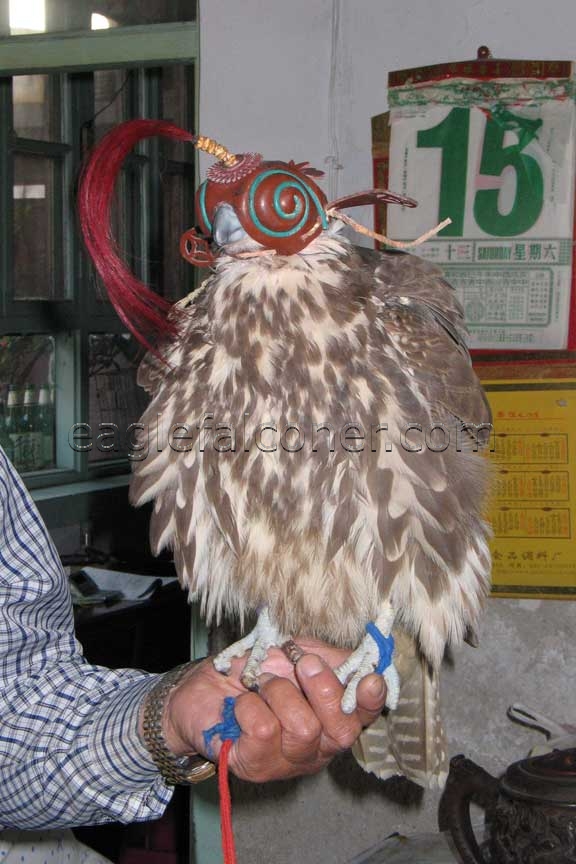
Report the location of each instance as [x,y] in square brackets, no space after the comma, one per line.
[504,174]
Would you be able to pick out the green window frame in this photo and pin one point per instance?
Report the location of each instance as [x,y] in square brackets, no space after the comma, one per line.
[70,59]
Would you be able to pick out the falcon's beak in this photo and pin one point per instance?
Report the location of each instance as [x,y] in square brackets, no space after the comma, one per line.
[227,228]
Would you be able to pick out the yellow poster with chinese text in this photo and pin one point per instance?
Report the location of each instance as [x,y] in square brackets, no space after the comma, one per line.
[533,508]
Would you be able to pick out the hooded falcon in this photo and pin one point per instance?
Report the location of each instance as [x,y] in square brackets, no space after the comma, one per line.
[323,425]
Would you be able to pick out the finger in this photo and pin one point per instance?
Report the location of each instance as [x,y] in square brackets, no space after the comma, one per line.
[277,661]
[301,729]
[371,698]
[258,750]
[332,656]
[324,692]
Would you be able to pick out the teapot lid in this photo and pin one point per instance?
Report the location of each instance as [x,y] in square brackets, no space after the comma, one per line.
[550,778]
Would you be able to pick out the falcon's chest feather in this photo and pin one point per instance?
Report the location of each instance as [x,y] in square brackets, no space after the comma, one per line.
[285,327]
[304,336]
[323,531]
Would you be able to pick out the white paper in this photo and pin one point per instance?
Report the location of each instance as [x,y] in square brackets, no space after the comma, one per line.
[133,586]
[515,290]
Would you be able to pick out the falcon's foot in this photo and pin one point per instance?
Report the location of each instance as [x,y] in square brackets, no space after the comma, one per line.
[263,637]
[374,654]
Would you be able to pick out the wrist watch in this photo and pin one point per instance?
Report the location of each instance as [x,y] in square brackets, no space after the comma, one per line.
[175,770]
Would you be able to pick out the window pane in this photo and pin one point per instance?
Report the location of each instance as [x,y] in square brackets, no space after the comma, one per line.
[35,114]
[26,18]
[115,398]
[34,266]
[177,90]
[122,13]
[40,16]
[26,401]
[110,91]
[177,274]
[154,205]
[123,233]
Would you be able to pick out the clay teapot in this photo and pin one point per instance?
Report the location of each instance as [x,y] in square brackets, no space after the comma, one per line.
[530,811]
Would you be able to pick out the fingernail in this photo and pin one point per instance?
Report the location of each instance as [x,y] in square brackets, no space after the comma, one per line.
[377,686]
[264,678]
[310,665]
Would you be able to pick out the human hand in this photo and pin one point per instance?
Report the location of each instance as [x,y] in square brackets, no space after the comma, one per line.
[294,725]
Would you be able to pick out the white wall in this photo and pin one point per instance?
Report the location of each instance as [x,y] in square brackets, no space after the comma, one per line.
[265,65]
[265,71]
[263,76]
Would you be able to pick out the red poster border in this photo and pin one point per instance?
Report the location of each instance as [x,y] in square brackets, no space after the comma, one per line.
[483,70]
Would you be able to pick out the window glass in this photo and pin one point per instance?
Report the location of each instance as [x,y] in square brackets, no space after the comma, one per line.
[44,16]
[124,13]
[177,83]
[176,272]
[110,92]
[94,364]
[116,401]
[36,113]
[111,101]
[26,401]
[35,271]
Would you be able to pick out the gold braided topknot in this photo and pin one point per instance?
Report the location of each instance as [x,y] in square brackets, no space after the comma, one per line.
[208,145]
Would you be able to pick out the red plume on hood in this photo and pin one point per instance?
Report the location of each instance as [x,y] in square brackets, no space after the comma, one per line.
[265,196]
[142,311]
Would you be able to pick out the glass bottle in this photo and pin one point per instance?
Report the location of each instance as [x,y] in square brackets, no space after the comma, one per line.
[32,446]
[5,439]
[13,415]
[46,425]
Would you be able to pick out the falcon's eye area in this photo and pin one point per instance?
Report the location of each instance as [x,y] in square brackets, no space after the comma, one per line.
[281,204]
[277,206]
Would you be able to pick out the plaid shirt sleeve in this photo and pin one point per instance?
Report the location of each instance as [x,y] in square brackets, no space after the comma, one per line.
[70,753]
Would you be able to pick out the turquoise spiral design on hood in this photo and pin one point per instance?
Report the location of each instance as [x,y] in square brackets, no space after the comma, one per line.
[302,203]
[202,203]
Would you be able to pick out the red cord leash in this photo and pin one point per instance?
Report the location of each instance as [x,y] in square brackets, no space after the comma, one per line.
[228,845]
[228,731]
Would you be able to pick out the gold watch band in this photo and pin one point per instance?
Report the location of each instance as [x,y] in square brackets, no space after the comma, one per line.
[175,770]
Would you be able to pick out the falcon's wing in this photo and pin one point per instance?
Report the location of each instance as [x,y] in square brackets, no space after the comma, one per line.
[425,322]
[151,372]
[153,369]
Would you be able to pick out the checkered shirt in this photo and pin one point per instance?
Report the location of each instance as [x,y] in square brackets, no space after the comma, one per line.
[69,747]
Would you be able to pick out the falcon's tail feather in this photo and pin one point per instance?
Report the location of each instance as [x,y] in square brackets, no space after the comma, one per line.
[409,741]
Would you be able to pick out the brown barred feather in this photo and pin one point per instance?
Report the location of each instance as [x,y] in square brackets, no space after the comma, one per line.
[411,740]
[322,534]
